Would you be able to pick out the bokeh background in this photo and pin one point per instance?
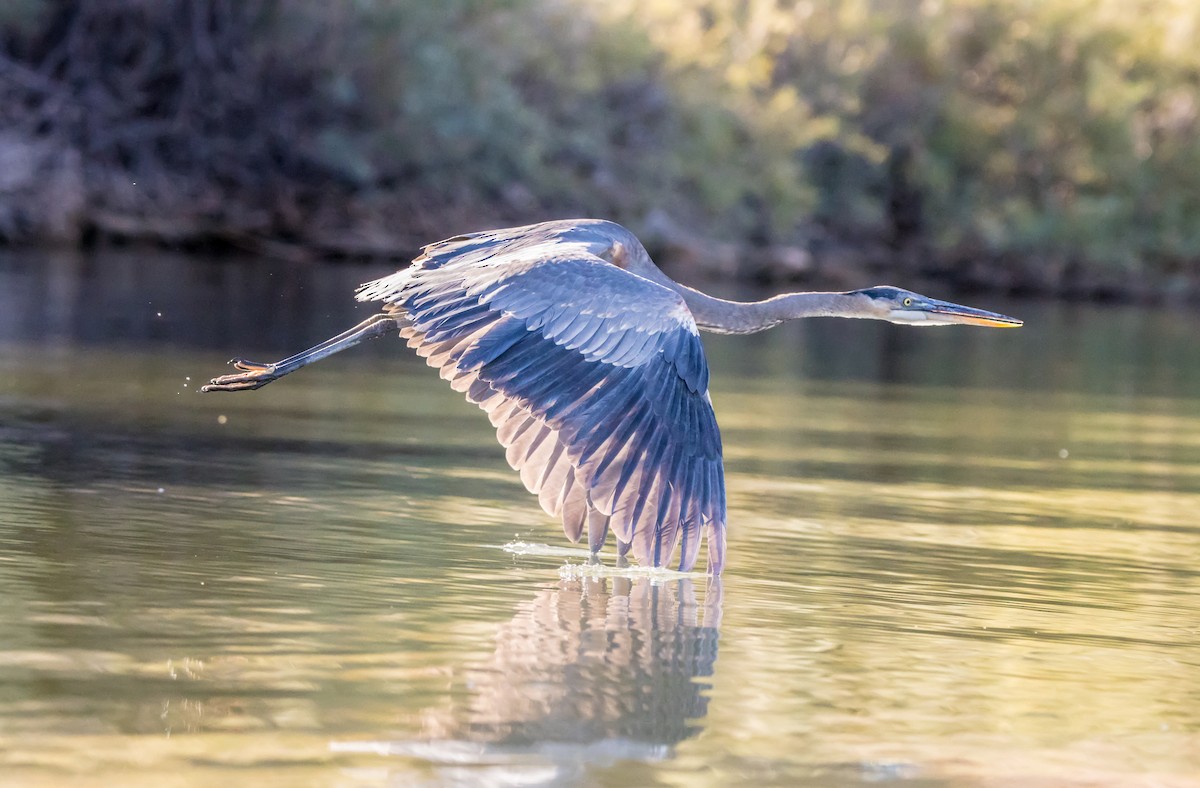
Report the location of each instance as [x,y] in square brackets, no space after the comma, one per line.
[1028,146]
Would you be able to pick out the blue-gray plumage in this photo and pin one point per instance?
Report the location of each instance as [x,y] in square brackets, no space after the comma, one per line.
[588,361]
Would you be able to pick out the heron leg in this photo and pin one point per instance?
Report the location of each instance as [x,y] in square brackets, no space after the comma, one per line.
[256,375]
[311,355]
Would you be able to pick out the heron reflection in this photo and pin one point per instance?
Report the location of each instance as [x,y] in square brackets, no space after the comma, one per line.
[589,671]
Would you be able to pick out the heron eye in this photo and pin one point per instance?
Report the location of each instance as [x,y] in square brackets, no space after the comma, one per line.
[908,302]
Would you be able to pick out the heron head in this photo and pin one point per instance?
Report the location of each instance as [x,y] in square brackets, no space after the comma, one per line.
[897,305]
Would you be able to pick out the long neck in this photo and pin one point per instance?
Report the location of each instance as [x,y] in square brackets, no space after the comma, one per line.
[740,317]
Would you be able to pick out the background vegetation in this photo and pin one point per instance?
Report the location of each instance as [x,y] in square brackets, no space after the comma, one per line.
[1049,145]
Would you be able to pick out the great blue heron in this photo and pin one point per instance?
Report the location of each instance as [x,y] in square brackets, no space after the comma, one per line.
[587,358]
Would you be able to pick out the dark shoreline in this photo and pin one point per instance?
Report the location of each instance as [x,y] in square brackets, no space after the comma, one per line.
[833,267]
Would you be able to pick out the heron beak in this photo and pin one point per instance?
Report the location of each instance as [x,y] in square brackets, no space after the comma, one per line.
[946,312]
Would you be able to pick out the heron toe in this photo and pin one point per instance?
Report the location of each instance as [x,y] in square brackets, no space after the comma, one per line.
[242,381]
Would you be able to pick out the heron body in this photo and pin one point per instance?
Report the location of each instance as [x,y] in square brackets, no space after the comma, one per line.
[588,362]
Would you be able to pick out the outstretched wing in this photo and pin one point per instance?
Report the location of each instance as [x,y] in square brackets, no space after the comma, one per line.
[594,378]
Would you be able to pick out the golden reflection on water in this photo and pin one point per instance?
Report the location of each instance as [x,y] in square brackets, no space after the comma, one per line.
[953,581]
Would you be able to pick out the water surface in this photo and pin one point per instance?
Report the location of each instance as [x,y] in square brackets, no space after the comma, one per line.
[956,557]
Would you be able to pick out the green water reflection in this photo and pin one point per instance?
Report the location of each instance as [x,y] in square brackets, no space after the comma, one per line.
[956,557]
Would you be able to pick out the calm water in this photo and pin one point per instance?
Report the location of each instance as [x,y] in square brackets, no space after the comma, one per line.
[957,557]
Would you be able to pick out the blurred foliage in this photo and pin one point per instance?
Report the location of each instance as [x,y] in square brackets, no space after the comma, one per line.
[1067,130]
[1063,127]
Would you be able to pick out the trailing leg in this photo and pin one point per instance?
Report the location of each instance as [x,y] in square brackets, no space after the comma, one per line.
[256,375]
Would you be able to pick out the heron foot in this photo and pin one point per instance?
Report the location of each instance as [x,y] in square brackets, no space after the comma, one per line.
[255,376]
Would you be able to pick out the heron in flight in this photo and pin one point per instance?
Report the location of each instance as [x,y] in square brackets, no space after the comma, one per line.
[587,359]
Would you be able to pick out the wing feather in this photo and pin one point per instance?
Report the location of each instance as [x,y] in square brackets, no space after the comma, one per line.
[558,466]
[597,529]
[574,508]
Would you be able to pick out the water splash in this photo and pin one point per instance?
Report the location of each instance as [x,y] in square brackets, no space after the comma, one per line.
[517,547]
[590,571]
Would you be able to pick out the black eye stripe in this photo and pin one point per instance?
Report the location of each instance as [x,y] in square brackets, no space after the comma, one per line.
[879,292]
